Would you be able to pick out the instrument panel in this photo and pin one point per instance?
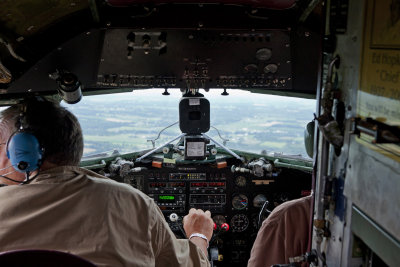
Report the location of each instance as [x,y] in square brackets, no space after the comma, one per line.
[177,192]
[233,198]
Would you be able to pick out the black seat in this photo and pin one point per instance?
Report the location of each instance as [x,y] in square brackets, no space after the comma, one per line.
[41,258]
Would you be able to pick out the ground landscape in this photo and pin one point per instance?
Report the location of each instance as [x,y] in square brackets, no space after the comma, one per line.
[251,122]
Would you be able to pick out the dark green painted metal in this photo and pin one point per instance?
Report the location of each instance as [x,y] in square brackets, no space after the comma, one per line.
[100,165]
[277,163]
[309,138]
[89,163]
[293,163]
[281,161]
[376,238]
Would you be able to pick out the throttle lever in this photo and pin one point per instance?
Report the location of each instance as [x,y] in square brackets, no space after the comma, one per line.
[174,218]
[222,229]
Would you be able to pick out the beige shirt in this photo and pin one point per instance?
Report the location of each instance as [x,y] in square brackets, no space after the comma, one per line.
[78,211]
[283,234]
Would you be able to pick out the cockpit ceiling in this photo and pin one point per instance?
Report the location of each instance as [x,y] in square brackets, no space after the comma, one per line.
[25,18]
[272,4]
[123,45]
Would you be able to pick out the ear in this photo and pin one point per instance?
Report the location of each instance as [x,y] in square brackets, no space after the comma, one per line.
[3,156]
[4,161]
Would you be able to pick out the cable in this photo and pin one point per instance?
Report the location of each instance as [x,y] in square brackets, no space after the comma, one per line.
[9,172]
[260,215]
[6,168]
[5,177]
[27,180]
[223,139]
[153,141]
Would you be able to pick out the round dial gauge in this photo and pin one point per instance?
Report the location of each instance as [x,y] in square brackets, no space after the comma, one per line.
[239,223]
[240,202]
[240,181]
[264,54]
[271,68]
[259,200]
[219,220]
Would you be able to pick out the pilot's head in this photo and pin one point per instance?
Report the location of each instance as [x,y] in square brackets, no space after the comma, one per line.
[56,129]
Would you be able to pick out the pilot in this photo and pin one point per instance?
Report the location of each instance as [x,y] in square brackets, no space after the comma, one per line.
[63,207]
[283,234]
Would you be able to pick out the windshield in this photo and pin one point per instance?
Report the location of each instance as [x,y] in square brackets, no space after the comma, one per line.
[257,123]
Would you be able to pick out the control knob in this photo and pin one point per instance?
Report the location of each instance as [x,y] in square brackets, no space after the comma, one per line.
[225,227]
[173,217]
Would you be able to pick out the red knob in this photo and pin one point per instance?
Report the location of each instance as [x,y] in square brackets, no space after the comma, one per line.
[225,227]
[215,226]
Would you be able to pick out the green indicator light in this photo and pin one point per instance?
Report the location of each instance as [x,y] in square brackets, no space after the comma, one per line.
[166,197]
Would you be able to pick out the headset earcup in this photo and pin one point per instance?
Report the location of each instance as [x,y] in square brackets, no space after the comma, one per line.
[24,152]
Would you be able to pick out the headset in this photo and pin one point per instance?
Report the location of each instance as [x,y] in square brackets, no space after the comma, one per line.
[23,148]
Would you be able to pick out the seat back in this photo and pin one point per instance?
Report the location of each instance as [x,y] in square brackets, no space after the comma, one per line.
[41,258]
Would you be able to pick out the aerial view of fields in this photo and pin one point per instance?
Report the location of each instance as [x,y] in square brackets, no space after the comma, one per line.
[251,122]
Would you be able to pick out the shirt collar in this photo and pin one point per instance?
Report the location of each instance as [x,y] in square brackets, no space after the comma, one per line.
[63,173]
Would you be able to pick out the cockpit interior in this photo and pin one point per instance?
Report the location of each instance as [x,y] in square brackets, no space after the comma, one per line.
[68,50]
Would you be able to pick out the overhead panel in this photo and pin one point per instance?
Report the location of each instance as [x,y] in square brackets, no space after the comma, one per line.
[196,59]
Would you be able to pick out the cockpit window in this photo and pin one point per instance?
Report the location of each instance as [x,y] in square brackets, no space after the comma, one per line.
[242,120]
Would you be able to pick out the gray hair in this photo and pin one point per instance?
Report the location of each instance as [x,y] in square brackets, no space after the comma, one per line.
[57,130]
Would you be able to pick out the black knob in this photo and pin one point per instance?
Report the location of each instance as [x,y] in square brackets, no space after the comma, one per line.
[165,92]
[224,92]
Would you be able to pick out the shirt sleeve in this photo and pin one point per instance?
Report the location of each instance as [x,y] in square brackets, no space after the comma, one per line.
[268,246]
[283,234]
[170,251]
